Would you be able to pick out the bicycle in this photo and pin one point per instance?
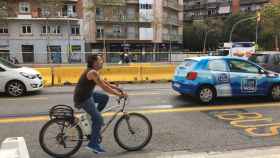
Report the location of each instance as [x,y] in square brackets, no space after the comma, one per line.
[76,129]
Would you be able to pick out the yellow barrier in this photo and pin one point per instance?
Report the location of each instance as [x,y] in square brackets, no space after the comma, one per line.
[47,75]
[157,73]
[121,73]
[147,72]
[63,75]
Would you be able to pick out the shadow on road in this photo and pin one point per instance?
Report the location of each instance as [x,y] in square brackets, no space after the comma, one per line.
[188,101]
[28,94]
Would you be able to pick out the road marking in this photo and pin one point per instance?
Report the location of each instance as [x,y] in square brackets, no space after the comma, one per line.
[46,98]
[139,94]
[152,111]
[17,99]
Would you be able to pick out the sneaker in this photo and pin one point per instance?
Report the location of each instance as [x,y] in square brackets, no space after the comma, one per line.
[96,149]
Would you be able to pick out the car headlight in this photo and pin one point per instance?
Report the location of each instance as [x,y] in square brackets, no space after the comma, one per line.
[30,76]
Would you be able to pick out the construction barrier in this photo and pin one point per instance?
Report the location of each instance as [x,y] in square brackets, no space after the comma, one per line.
[127,73]
[157,73]
[47,75]
[14,148]
[121,73]
[67,75]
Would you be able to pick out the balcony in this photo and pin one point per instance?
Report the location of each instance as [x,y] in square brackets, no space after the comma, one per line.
[117,19]
[173,5]
[172,37]
[118,36]
[132,1]
[173,21]
[58,14]
[111,2]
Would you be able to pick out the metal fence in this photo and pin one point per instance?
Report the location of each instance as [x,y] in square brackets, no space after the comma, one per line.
[109,57]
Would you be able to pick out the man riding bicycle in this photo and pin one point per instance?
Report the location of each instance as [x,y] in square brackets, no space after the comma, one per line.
[86,98]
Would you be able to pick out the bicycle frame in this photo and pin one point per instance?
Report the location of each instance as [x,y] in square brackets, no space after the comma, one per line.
[122,110]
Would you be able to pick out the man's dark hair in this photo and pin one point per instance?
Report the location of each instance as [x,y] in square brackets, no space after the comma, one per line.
[91,59]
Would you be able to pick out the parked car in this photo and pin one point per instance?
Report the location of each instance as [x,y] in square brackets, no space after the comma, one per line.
[16,80]
[268,60]
[209,77]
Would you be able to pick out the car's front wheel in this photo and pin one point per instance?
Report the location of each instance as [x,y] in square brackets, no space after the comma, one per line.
[206,94]
[15,88]
[275,92]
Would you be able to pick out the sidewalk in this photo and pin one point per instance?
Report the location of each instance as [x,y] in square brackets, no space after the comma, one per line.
[267,152]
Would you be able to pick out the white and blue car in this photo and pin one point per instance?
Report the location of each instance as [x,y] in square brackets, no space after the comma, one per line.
[209,77]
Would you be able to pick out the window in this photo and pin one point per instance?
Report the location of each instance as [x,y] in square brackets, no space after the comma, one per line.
[99,12]
[45,12]
[3,30]
[217,65]
[75,30]
[26,29]
[69,10]
[116,29]
[99,31]
[24,7]
[76,48]
[52,29]
[242,67]
[145,6]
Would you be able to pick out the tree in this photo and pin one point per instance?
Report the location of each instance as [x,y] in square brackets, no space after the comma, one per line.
[244,31]
[213,28]
[270,22]
[198,33]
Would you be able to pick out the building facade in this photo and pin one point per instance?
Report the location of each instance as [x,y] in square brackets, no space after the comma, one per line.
[42,31]
[199,9]
[133,25]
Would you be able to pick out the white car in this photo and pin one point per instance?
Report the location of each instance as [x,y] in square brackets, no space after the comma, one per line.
[16,80]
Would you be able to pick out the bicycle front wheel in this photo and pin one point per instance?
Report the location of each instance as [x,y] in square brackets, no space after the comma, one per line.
[133,131]
[59,139]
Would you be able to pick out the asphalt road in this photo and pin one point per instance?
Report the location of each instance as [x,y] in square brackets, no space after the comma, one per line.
[179,123]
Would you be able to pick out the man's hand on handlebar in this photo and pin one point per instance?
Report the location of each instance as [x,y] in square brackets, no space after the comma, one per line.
[122,93]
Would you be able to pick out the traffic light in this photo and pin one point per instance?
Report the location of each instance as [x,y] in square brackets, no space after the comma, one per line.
[258,16]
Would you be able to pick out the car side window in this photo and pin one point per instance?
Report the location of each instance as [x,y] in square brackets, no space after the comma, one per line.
[242,67]
[276,60]
[217,65]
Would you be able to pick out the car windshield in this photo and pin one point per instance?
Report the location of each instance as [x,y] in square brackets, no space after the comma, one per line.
[259,58]
[8,64]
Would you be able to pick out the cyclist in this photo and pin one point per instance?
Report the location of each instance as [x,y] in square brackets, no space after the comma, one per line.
[86,98]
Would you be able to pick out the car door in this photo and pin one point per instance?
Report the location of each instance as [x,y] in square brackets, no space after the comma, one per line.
[246,78]
[220,77]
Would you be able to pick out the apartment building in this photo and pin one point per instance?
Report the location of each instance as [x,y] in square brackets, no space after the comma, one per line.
[41,31]
[134,25]
[199,9]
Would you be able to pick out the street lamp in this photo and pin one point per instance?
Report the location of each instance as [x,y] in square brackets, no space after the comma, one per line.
[238,22]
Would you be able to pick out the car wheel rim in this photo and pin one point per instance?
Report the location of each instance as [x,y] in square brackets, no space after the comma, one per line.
[276,92]
[206,95]
[15,89]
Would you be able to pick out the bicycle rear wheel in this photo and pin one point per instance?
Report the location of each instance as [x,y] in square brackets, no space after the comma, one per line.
[59,139]
[133,131]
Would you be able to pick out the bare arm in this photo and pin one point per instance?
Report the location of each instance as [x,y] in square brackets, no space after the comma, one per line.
[93,75]
[112,86]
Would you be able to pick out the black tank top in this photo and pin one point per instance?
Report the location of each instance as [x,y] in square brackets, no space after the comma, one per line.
[83,89]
